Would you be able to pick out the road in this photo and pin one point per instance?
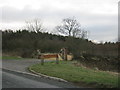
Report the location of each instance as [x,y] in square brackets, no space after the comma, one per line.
[14,80]
[19,65]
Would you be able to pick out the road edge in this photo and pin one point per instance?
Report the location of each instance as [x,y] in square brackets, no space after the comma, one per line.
[49,77]
[35,74]
[19,72]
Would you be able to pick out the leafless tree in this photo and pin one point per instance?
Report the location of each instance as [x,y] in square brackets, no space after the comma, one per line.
[71,27]
[35,25]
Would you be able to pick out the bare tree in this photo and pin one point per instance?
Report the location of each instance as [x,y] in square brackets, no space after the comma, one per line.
[71,27]
[35,25]
[84,34]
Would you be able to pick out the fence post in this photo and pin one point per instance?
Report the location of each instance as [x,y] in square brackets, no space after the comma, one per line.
[42,60]
[57,60]
[65,54]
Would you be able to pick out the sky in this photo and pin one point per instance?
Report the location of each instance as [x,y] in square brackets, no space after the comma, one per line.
[98,17]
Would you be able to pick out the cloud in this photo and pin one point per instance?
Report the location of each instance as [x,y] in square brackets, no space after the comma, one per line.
[97,16]
[12,14]
[104,33]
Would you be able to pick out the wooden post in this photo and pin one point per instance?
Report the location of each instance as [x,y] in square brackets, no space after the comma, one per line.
[42,60]
[57,60]
[65,54]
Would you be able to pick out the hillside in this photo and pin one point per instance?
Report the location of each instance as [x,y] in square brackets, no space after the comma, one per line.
[24,43]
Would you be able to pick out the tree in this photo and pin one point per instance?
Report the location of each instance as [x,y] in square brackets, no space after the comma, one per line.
[35,25]
[71,27]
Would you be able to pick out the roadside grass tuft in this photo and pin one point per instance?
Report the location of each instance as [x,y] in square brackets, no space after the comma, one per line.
[68,71]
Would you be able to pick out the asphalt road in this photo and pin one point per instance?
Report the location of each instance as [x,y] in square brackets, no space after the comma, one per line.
[19,65]
[14,80]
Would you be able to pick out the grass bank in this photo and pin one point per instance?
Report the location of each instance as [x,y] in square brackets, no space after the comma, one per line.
[79,75]
[11,58]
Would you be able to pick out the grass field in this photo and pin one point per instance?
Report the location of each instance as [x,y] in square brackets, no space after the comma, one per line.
[68,71]
[11,58]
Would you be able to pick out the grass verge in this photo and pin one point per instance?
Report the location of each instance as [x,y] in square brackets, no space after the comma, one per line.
[11,58]
[68,71]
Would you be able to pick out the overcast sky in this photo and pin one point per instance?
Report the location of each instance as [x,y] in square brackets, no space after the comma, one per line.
[98,17]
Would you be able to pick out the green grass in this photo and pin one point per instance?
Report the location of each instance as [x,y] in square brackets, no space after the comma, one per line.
[11,58]
[72,73]
[14,58]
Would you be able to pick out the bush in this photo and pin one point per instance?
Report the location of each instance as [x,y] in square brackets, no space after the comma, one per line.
[100,62]
[26,53]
